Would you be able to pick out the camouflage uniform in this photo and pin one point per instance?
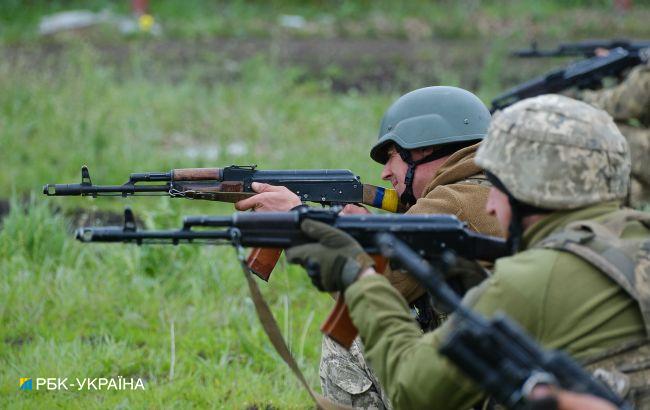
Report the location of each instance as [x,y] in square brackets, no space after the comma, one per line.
[458,188]
[563,300]
[629,104]
[347,379]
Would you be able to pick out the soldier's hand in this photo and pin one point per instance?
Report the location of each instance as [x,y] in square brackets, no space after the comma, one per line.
[544,398]
[334,262]
[269,198]
[568,400]
[352,209]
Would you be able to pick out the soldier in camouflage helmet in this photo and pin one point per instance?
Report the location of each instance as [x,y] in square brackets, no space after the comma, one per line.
[629,104]
[579,281]
[590,166]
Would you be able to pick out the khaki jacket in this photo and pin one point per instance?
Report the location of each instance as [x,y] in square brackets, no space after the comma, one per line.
[458,188]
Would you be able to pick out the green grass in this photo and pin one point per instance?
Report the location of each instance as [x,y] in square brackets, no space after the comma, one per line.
[83,114]
[70,310]
[73,310]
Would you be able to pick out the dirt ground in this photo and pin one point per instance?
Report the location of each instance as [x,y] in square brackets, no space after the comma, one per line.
[361,64]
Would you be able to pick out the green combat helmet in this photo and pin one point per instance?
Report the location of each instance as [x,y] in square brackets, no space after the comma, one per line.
[448,117]
[553,152]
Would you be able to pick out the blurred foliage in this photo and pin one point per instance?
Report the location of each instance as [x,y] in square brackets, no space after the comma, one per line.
[416,20]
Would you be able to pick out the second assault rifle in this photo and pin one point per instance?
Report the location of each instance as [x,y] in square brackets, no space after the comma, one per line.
[430,235]
[585,74]
[586,48]
[234,183]
[497,354]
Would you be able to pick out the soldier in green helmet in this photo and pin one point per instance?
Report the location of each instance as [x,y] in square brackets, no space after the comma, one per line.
[427,142]
[579,279]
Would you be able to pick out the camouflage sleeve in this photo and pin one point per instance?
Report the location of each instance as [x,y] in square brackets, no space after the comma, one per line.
[639,141]
[628,100]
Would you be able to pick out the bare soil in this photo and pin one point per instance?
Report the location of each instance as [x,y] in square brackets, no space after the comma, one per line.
[360,64]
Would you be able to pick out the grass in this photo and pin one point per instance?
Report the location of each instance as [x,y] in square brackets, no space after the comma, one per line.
[73,310]
[85,115]
[106,311]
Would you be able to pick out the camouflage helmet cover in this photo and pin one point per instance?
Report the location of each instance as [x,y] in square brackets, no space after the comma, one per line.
[431,116]
[554,152]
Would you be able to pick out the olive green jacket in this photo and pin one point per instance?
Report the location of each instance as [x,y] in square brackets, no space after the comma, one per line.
[561,300]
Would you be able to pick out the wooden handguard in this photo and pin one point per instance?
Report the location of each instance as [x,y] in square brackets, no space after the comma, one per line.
[338,324]
[196,174]
[261,261]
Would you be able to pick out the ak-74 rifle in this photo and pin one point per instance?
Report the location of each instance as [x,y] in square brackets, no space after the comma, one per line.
[234,183]
[497,354]
[583,74]
[429,235]
[586,48]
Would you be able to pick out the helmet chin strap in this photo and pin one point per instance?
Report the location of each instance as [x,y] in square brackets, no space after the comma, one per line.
[516,227]
[408,198]
[518,211]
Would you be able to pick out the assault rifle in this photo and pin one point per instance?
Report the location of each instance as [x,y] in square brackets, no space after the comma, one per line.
[586,48]
[233,183]
[583,74]
[497,354]
[430,235]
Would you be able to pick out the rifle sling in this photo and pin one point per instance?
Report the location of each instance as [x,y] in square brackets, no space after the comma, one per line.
[272,330]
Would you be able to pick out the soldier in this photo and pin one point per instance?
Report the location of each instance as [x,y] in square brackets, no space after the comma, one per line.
[427,142]
[629,104]
[560,169]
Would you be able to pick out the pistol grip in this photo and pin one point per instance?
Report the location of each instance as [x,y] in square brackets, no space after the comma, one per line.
[338,324]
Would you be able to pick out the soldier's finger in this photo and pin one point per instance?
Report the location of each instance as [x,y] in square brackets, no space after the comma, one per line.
[260,187]
[248,203]
[300,254]
[318,230]
[326,234]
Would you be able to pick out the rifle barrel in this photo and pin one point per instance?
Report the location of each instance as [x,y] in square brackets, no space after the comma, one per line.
[586,48]
[119,234]
[100,190]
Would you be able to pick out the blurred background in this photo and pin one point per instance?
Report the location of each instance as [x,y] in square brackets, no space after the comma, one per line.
[133,85]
